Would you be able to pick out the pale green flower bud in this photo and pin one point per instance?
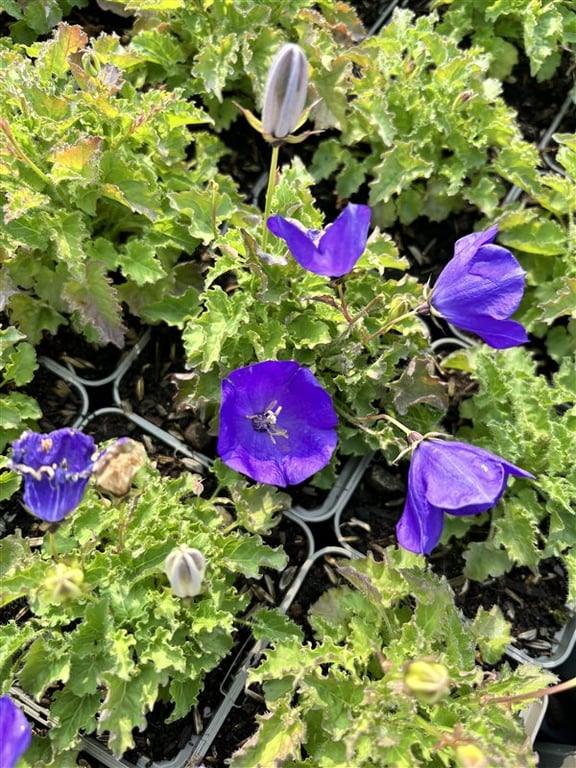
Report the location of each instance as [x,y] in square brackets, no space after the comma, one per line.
[470,756]
[62,583]
[91,63]
[285,92]
[185,568]
[427,680]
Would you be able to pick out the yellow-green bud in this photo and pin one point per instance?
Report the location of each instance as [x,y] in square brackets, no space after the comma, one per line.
[185,568]
[470,756]
[285,92]
[427,680]
[63,583]
[91,63]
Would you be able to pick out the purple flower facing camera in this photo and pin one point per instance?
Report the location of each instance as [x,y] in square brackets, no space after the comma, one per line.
[277,424]
[56,468]
[480,288]
[448,477]
[332,252]
[15,733]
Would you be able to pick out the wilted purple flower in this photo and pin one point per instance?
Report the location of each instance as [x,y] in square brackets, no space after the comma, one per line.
[56,469]
[15,733]
[450,477]
[285,92]
[277,424]
[480,288]
[332,252]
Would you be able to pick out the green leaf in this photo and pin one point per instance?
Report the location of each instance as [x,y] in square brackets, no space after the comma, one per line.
[139,262]
[94,298]
[492,633]
[21,364]
[280,737]
[46,664]
[399,167]
[215,63]
[274,627]
[34,317]
[73,714]
[125,706]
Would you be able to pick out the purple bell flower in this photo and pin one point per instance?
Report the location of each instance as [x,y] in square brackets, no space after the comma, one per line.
[448,477]
[56,469]
[480,288]
[15,733]
[277,424]
[332,252]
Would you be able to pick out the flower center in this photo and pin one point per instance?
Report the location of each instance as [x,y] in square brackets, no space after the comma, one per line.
[266,421]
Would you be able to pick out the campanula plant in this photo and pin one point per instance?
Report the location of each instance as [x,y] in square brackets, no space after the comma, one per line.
[141,602]
[15,733]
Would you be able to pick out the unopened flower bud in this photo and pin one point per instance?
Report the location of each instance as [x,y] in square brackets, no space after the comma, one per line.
[185,567]
[285,92]
[91,63]
[63,583]
[470,756]
[427,680]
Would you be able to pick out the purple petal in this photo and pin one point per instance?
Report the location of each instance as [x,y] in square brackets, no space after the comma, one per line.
[464,250]
[462,479]
[420,526]
[56,468]
[479,289]
[344,241]
[335,252]
[451,477]
[15,733]
[299,442]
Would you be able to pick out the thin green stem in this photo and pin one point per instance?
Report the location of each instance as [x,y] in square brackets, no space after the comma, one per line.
[391,323]
[386,417]
[53,550]
[269,193]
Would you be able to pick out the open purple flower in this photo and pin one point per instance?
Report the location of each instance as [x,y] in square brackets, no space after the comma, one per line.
[15,733]
[480,288]
[277,424]
[56,468]
[332,252]
[450,477]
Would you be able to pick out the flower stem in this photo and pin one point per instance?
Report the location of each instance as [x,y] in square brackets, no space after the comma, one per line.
[391,323]
[270,192]
[386,417]
[539,694]
[53,550]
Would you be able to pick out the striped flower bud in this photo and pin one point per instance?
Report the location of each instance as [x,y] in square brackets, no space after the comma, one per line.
[185,567]
[285,92]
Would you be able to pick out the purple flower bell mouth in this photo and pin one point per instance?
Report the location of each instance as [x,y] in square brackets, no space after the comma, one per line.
[277,424]
[448,477]
[56,468]
[15,733]
[333,252]
[480,288]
